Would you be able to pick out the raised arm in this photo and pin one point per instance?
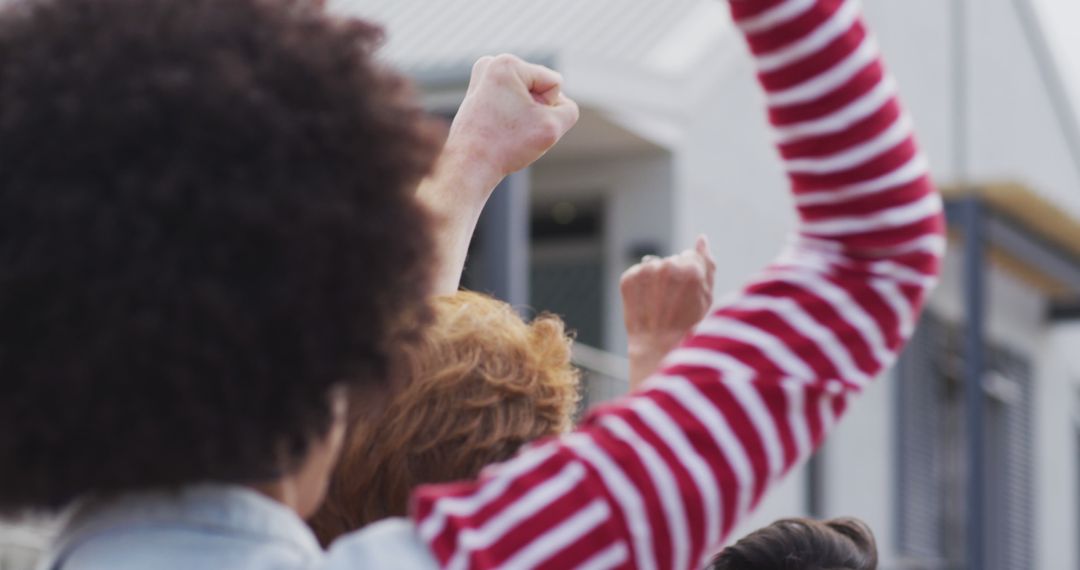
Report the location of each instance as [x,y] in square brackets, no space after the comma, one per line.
[513,113]
[659,479]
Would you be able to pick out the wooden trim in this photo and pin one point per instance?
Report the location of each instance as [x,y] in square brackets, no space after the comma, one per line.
[1030,210]
[1034,214]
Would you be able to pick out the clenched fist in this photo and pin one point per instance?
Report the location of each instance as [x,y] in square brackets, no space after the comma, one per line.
[662,300]
[513,113]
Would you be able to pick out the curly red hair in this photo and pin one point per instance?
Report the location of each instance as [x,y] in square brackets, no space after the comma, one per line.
[479,384]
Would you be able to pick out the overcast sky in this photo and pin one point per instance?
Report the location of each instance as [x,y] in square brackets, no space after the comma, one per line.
[1061,19]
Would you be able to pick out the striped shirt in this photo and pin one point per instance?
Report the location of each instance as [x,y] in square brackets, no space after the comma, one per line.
[660,478]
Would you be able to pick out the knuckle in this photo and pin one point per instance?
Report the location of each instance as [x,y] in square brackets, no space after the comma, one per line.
[681,277]
[506,60]
[482,63]
[645,274]
[575,110]
[550,131]
[700,275]
[686,272]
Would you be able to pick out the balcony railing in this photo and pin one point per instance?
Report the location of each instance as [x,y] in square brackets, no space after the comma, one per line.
[604,375]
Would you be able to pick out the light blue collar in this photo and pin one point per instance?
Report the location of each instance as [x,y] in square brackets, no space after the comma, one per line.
[224,509]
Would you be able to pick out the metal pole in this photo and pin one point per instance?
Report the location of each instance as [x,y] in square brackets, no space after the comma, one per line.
[1045,63]
[974,346]
[971,214]
[504,237]
[815,485]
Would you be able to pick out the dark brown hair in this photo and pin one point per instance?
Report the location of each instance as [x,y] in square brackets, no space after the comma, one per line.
[480,384]
[207,221]
[803,544]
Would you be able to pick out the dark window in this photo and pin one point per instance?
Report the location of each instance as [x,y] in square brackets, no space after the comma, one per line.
[932,462]
[566,276]
[924,400]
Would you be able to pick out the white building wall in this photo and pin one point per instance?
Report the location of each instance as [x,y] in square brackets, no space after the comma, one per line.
[730,186]
[914,38]
[786,500]
[1015,134]
[860,465]
[1057,433]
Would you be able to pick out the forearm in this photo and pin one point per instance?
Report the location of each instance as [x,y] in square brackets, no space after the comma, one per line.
[456,194]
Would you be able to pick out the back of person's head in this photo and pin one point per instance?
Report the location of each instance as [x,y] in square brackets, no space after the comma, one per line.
[803,544]
[479,385]
[207,225]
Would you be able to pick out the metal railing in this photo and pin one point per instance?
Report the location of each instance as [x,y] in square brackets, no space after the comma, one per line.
[605,376]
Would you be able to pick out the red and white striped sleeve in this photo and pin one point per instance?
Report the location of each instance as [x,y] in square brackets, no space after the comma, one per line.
[659,479]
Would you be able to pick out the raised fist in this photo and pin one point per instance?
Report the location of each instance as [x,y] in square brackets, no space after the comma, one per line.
[662,300]
[513,113]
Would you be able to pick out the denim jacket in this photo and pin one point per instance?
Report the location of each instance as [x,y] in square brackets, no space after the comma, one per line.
[220,527]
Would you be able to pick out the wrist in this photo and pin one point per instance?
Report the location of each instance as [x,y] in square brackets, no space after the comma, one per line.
[645,353]
[653,345]
[472,165]
[459,187]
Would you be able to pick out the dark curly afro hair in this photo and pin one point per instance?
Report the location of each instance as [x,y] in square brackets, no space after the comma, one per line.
[207,222]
